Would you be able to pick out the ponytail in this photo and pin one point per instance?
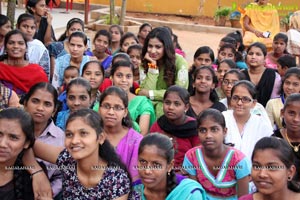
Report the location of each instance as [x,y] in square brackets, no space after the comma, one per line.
[108,153]
[171,181]
[63,37]
[294,186]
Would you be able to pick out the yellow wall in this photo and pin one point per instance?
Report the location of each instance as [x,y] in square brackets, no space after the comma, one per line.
[191,7]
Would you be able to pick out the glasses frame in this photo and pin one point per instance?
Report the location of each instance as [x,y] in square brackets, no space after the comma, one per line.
[236,99]
[115,108]
[227,83]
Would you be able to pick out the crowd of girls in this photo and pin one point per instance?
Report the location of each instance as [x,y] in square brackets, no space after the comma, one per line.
[129,119]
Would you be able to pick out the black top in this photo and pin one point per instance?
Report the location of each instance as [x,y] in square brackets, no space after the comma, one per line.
[7,191]
[20,187]
[265,85]
[217,105]
[297,155]
[41,32]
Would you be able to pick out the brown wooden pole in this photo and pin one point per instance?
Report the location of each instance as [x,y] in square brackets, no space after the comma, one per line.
[86,11]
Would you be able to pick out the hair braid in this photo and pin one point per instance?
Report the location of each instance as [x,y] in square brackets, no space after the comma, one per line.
[171,181]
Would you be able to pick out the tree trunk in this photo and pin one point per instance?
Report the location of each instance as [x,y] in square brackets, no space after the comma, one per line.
[0,6]
[11,10]
[112,11]
[86,11]
[123,12]
[219,3]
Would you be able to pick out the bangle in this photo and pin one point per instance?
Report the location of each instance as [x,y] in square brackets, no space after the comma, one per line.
[137,90]
[152,66]
[36,172]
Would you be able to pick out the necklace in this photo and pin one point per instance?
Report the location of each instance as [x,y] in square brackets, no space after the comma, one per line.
[296,148]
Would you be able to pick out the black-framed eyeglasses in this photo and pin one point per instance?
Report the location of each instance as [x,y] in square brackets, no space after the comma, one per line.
[236,99]
[115,108]
[227,82]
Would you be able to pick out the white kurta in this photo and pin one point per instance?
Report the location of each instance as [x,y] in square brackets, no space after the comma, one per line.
[257,110]
[255,129]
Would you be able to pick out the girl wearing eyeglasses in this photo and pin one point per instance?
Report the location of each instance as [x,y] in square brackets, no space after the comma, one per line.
[223,67]
[245,128]
[140,107]
[230,78]
[117,125]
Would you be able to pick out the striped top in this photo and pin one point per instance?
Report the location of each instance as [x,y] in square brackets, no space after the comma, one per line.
[234,166]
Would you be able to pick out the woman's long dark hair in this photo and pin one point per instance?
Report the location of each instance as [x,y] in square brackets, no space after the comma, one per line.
[237,35]
[21,178]
[3,20]
[106,150]
[168,59]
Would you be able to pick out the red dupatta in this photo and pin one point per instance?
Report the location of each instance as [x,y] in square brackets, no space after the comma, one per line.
[21,79]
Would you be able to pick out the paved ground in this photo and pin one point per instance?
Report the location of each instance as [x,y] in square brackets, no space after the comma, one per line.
[188,40]
[191,41]
[60,17]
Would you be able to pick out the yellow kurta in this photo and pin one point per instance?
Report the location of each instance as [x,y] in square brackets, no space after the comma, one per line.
[262,18]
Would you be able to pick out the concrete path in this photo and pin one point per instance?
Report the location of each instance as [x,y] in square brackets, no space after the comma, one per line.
[189,40]
[60,17]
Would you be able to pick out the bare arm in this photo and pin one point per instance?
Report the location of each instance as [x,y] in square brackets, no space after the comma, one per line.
[47,152]
[13,100]
[124,197]
[248,27]
[144,123]
[48,33]
[40,182]
[243,186]
[52,66]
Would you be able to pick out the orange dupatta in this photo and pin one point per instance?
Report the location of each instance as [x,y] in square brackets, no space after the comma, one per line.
[263,18]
